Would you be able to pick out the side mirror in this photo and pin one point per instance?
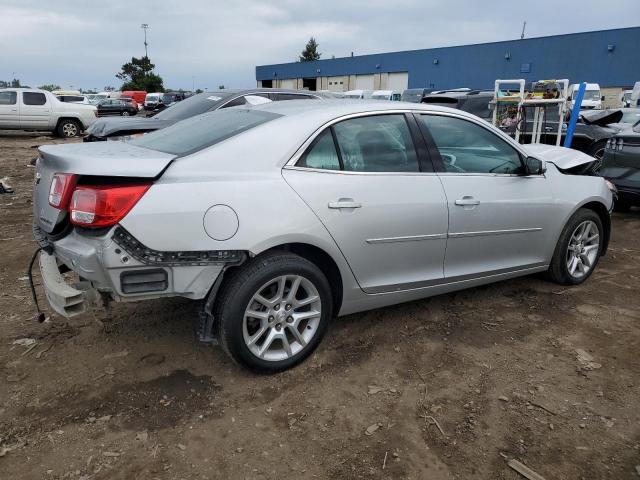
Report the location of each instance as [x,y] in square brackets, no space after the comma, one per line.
[534,166]
[602,98]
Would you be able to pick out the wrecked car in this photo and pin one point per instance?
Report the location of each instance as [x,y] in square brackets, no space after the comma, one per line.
[279,217]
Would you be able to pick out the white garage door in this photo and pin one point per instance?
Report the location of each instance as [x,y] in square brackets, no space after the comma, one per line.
[288,83]
[364,82]
[336,84]
[398,81]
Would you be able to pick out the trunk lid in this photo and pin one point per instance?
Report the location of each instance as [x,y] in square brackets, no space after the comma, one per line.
[108,159]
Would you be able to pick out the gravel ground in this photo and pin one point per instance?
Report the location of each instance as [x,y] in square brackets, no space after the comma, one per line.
[449,387]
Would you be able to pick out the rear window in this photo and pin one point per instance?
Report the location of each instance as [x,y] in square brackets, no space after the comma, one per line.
[193,106]
[200,132]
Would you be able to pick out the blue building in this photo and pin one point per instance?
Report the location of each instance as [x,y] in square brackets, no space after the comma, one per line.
[608,57]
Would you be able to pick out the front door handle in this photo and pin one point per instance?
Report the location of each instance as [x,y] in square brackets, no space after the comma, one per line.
[466,201]
[344,203]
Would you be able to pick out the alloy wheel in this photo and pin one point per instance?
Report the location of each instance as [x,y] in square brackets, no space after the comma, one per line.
[282,318]
[583,248]
[70,129]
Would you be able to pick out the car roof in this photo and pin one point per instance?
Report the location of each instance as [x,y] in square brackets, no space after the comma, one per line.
[330,109]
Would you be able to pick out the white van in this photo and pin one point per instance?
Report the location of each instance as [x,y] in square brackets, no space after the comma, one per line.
[393,95]
[592,97]
[634,100]
[358,94]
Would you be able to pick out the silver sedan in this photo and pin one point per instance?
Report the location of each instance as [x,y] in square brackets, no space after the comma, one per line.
[282,216]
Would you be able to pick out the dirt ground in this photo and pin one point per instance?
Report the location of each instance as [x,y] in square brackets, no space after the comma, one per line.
[450,387]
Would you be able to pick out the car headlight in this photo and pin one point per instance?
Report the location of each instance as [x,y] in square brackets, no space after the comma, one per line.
[611,186]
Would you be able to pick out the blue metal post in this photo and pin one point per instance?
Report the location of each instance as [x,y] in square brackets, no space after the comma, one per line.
[575,114]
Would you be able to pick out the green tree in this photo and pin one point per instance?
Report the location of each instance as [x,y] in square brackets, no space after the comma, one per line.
[310,52]
[50,87]
[138,75]
[15,83]
[199,90]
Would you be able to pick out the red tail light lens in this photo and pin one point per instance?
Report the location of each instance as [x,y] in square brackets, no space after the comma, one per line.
[104,206]
[61,189]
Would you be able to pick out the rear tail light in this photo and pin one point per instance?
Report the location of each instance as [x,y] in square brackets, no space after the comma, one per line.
[61,189]
[104,206]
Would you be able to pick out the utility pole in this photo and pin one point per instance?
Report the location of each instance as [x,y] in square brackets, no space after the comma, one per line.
[144,27]
[524,25]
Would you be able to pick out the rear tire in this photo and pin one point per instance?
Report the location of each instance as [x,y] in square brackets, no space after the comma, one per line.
[578,249]
[125,113]
[68,129]
[264,323]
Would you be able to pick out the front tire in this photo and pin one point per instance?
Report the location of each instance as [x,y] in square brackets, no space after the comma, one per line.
[68,129]
[273,312]
[578,249]
[125,113]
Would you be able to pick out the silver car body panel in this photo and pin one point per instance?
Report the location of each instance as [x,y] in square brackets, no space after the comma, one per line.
[408,240]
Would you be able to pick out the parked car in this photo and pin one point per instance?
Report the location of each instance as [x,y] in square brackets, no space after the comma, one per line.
[39,110]
[392,95]
[116,106]
[74,99]
[625,98]
[257,212]
[415,95]
[477,102]
[95,98]
[152,100]
[621,165]
[358,94]
[130,100]
[111,128]
[592,96]
[137,96]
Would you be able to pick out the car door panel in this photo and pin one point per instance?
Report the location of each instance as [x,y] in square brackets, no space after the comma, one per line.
[391,228]
[9,110]
[498,215]
[496,223]
[387,216]
[35,110]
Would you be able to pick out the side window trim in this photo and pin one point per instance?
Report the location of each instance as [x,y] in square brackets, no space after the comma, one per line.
[433,149]
[337,147]
[434,153]
[425,162]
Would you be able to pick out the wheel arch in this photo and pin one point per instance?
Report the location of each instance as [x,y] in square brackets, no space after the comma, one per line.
[320,259]
[67,117]
[601,210]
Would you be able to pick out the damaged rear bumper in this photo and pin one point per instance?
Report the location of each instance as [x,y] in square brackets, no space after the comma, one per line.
[67,300]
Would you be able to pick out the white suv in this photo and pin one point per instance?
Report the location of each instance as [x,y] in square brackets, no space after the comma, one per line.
[39,110]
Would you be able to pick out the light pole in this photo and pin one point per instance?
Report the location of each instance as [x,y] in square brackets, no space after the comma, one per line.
[193,83]
[144,27]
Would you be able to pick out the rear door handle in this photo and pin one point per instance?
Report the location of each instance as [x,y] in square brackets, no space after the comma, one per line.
[344,203]
[467,200]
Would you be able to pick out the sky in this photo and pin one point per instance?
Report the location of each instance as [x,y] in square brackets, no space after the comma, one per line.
[204,44]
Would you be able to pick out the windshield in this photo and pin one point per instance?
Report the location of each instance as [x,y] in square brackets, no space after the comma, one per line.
[192,106]
[202,131]
[591,95]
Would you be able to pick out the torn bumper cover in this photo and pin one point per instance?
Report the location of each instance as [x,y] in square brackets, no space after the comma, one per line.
[65,299]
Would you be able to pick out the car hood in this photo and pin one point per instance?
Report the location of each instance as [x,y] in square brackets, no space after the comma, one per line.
[561,157]
[105,127]
[601,117]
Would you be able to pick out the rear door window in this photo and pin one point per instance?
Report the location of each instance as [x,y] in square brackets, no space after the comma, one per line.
[379,143]
[8,98]
[322,153]
[34,98]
